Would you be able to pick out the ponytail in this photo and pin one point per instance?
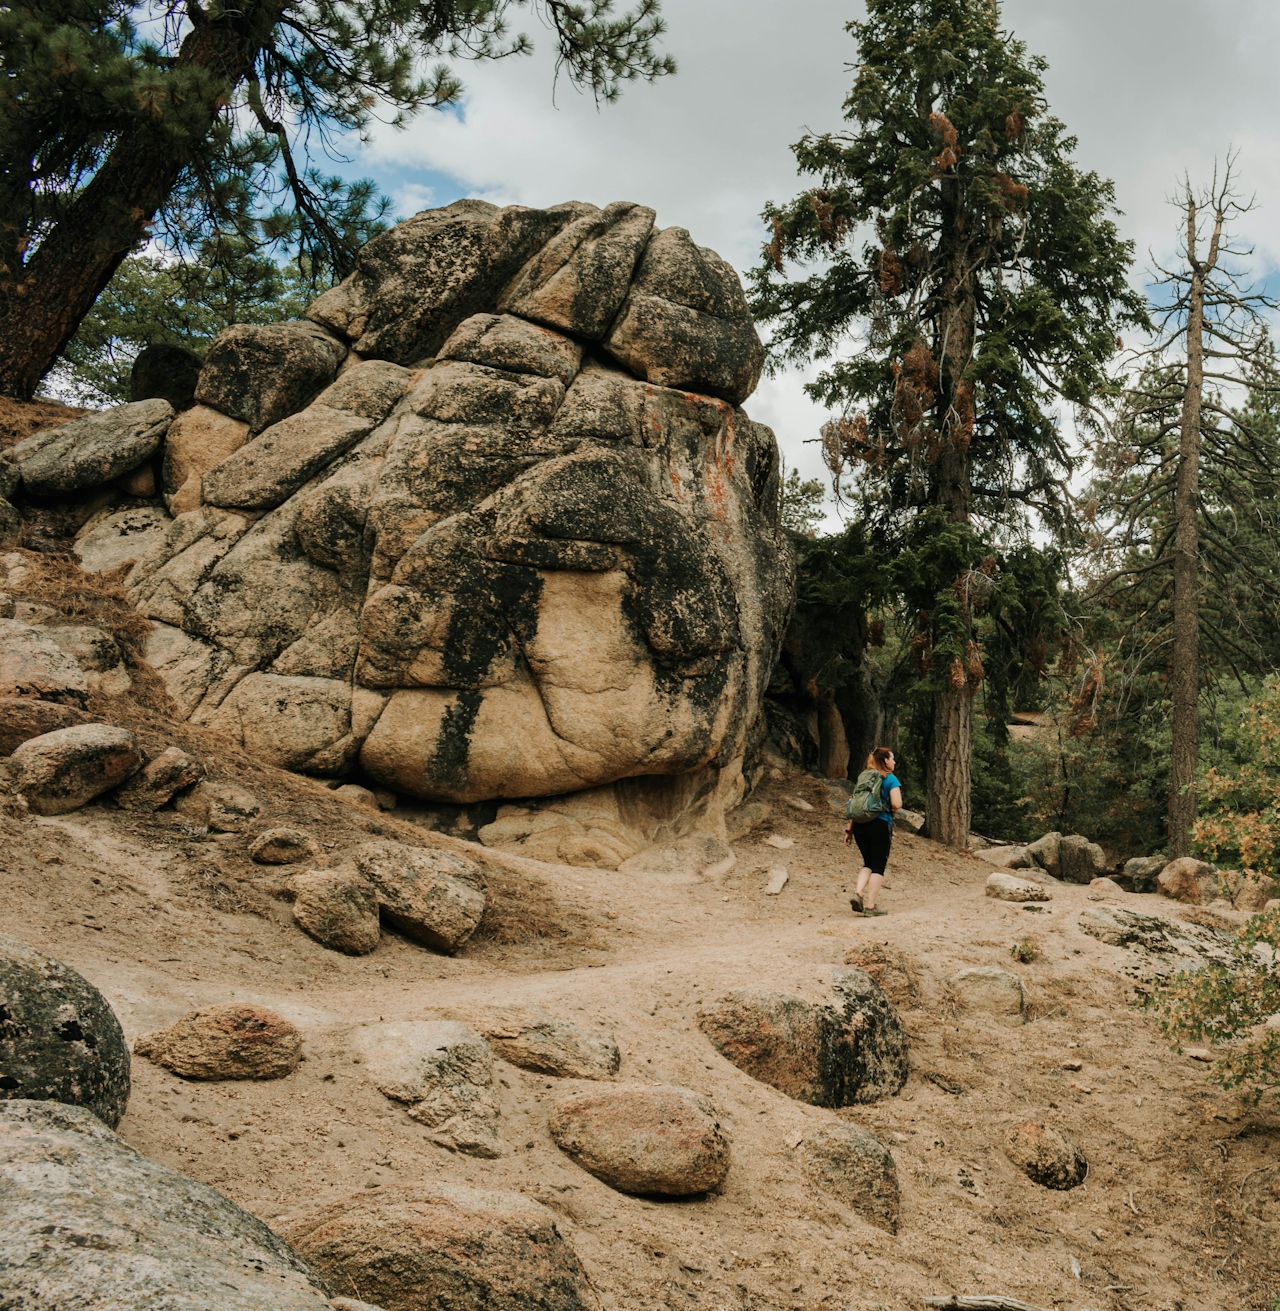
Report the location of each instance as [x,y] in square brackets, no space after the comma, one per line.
[879,759]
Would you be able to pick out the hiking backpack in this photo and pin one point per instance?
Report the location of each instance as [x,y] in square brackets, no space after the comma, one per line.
[866,803]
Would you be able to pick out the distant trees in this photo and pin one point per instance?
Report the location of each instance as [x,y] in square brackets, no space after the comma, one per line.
[191,121]
[967,274]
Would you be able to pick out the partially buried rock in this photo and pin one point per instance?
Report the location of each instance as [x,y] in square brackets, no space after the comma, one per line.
[62,770]
[429,895]
[684,860]
[416,1247]
[534,1039]
[283,846]
[222,807]
[1141,872]
[827,1055]
[94,450]
[155,783]
[1045,1156]
[1188,880]
[1005,887]
[642,1139]
[225,1042]
[1045,851]
[33,665]
[23,717]
[59,1040]
[857,1169]
[443,1072]
[991,991]
[338,908]
[89,1224]
[1126,928]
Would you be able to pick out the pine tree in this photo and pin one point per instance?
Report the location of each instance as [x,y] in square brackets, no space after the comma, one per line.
[969,273]
[190,120]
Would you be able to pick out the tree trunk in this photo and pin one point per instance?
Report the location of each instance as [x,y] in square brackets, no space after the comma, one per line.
[833,743]
[112,216]
[1185,673]
[948,804]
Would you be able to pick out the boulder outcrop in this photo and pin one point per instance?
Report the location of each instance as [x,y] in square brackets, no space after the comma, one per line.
[490,524]
[88,1224]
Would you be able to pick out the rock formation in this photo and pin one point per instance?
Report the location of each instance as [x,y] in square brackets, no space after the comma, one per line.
[490,524]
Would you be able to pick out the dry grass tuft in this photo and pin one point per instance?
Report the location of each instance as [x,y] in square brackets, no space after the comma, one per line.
[19,419]
[522,908]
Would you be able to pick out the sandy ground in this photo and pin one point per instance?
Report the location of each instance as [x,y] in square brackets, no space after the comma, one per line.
[163,921]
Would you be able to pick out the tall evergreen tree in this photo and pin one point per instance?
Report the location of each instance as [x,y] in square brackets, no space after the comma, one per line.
[191,119]
[969,273]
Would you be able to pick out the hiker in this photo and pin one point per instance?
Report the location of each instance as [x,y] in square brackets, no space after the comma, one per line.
[877,797]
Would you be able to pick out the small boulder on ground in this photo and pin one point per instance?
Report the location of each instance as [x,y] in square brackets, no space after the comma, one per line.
[910,820]
[155,783]
[59,1040]
[1045,852]
[62,770]
[88,1222]
[1014,857]
[283,846]
[354,795]
[643,1139]
[1106,888]
[856,1168]
[1142,871]
[1005,887]
[92,451]
[225,1042]
[338,908]
[535,1039]
[32,664]
[221,807]
[429,894]
[845,1054]
[1188,880]
[1080,860]
[410,1247]
[1046,1156]
[991,991]
[23,717]
[443,1072]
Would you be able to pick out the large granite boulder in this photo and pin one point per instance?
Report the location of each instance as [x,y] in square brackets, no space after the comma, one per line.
[59,1039]
[523,544]
[89,1224]
[91,451]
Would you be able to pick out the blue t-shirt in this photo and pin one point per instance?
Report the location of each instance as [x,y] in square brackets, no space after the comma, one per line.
[890,782]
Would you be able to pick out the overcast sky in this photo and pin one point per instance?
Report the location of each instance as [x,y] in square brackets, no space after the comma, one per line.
[1152,89]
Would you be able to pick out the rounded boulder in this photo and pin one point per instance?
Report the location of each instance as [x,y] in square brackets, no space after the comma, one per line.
[339,909]
[59,1040]
[416,1247]
[62,770]
[225,1042]
[643,1139]
[1046,1156]
[856,1168]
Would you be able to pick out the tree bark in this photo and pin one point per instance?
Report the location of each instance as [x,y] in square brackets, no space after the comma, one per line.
[948,805]
[112,216]
[1184,682]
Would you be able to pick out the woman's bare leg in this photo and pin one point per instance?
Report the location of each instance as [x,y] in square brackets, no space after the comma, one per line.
[863,875]
[873,885]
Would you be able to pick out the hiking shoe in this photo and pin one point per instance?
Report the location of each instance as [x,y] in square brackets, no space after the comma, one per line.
[874,910]
[856,902]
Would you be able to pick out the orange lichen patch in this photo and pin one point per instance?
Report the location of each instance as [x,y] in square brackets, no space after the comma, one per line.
[717,491]
[677,483]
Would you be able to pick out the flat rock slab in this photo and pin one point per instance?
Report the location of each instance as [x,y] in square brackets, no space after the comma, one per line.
[338,908]
[63,770]
[123,537]
[856,1168]
[1046,1156]
[843,1054]
[443,1072]
[410,1247]
[59,1039]
[91,451]
[88,1224]
[225,1042]
[535,1039]
[992,991]
[643,1139]
[1005,887]
[428,894]
[1005,857]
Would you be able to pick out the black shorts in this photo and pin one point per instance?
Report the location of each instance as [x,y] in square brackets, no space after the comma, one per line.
[873,839]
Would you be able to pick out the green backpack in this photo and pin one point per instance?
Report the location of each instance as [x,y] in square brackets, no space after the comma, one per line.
[866,803]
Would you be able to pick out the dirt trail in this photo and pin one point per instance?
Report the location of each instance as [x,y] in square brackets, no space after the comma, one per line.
[162,922]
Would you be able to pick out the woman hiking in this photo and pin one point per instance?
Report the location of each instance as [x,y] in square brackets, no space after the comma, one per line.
[874,836]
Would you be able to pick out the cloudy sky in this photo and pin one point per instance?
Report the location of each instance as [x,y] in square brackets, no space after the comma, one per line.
[1152,88]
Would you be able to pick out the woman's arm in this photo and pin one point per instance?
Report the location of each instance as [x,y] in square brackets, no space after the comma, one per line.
[895,800]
